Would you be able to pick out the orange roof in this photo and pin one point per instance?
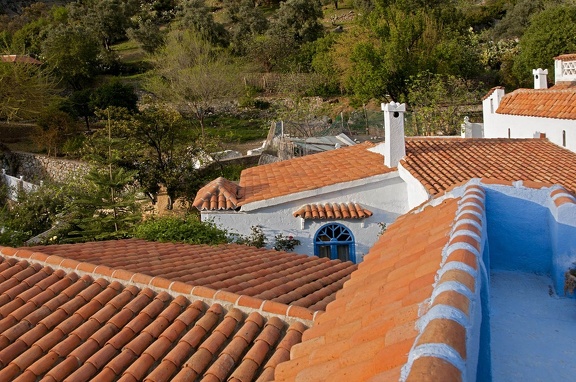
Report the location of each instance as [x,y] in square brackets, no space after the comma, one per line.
[333,211]
[219,194]
[408,312]
[19,58]
[311,172]
[566,57]
[287,278]
[557,103]
[492,91]
[118,325]
[371,327]
[440,163]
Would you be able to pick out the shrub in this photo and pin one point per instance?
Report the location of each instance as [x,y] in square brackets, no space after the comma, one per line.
[177,229]
[285,243]
[255,239]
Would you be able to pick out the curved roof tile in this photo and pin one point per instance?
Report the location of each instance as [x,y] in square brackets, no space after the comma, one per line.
[333,211]
[218,195]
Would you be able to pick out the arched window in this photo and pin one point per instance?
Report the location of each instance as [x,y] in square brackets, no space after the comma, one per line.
[335,241]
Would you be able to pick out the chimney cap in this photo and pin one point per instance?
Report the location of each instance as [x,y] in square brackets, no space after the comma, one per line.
[393,106]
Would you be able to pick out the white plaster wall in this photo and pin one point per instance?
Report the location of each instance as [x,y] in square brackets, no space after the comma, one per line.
[497,125]
[416,194]
[386,199]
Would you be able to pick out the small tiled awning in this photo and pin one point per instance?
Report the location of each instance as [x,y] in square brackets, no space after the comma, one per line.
[218,195]
[333,211]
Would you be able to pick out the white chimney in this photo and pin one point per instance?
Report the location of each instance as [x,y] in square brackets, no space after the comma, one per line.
[540,78]
[394,146]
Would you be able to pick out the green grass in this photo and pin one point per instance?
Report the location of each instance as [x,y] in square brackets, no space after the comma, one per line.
[236,129]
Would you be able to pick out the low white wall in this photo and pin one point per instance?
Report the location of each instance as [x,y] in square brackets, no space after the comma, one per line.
[497,126]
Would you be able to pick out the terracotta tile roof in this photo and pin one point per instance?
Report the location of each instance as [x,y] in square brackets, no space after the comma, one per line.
[547,103]
[566,57]
[286,278]
[492,91]
[333,211]
[219,194]
[58,325]
[440,163]
[19,58]
[368,332]
[311,172]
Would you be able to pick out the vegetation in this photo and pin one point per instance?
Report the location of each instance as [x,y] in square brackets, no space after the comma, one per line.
[146,89]
[187,229]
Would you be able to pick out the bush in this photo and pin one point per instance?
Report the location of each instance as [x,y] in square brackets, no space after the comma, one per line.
[285,243]
[178,229]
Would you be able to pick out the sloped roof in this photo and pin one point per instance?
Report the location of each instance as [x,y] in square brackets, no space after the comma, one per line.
[333,211]
[370,328]
[410,311]
[65,320]
[557,103]
[566,57]
[220,194]
[311,172]
[19,58]
[287,278]
[440,163]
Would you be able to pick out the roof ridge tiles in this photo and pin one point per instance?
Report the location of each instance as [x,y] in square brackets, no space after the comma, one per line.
[159,284]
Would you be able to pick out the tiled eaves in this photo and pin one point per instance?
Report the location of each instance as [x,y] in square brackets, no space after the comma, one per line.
[229,300]
[218,195]
[449,326]
[566,57]
[491,91]
[348,210]
[557,103]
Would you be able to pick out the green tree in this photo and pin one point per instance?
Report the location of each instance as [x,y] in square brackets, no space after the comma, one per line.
[438,103]
[195,15]
[246,22]
[299,20]
[114,93]
[72,53]
[25,90]
[187,229]
[147,33]
[194,74]
[551,32]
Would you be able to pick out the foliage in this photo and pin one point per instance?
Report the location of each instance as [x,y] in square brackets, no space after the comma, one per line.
[246,22]
[109,211]
[56,127]
[298,20]
[195,74]
[551,32]
[35,212]
[25,90]
[517,18]
[72,53]
[188,229]
[285,243]
[147,34]
[116,94]
[195,16]
[255,239]
[438,103]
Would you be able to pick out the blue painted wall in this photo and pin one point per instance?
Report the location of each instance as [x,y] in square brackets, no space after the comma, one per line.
[518,233]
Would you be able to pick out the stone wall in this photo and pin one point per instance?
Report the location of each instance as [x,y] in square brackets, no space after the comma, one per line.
[36,167]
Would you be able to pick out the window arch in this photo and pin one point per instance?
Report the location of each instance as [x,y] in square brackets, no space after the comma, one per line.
[335,242]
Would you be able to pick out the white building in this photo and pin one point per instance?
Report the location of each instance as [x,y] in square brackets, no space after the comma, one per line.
[336,203]
[542,111]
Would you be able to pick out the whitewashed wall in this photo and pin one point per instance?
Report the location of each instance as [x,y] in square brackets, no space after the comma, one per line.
[385,198]
[497,125]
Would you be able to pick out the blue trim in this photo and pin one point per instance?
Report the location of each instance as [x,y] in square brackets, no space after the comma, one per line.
[334,236]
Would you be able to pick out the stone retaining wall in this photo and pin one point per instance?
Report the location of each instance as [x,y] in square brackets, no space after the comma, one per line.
[36,167]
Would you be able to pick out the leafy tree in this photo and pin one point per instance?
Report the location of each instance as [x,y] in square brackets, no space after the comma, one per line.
[298,20]
[148,35]
[106,19]
[439,103]
[116,94]
[551,32]
[72,53]
[187,229]
[195,75]
[56,127]
[246,22]
[29,38]
[25,90]
[195,15]
[517,18]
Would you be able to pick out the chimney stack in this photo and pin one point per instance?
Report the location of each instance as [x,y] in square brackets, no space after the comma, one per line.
[394,146]
[540,78]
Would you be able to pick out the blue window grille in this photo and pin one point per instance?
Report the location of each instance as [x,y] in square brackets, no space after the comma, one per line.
[335,242]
